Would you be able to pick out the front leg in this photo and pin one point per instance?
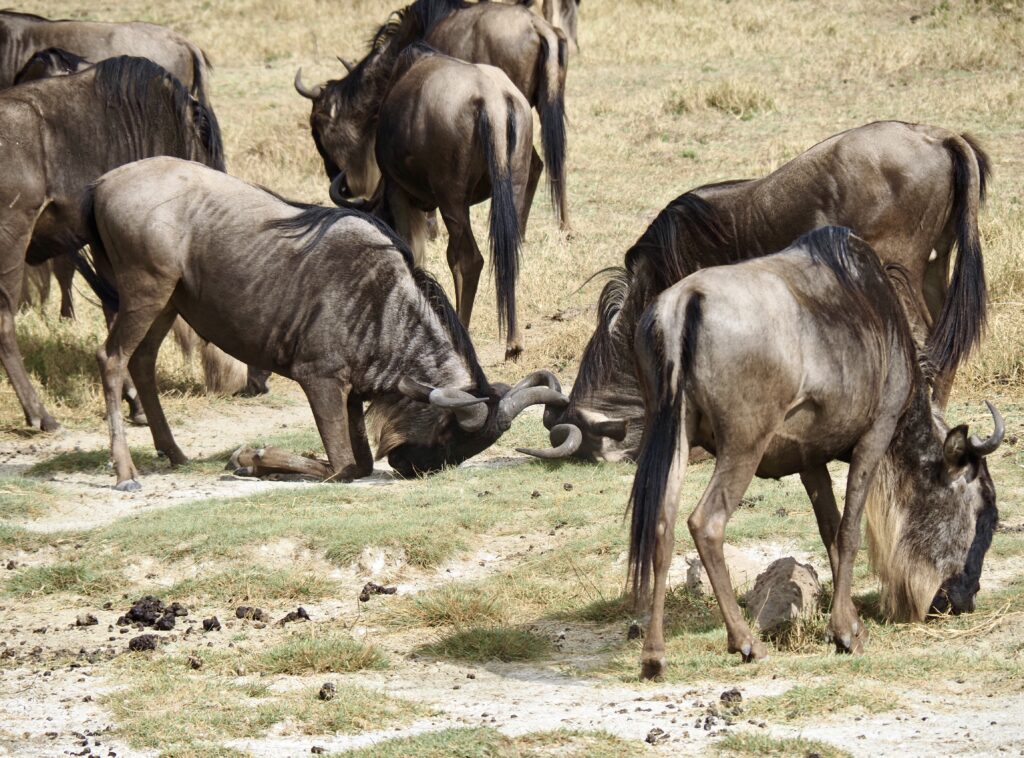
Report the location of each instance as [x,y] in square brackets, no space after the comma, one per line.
[329,400]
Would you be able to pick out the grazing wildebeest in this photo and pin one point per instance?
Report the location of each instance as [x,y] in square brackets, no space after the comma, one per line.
[779,365]
[22,35]
[58,135]
[475,118]
[532,54]
[328,297]
[910,190]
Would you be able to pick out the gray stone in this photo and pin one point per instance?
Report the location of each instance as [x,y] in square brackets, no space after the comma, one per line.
[742,571]
[783,592]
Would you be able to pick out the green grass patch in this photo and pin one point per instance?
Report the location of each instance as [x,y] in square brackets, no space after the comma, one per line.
[22,498]
[446,743]
[255,584]
[759,745]
[317,652]
[163,705]
[86,578]
[456,604]
[801,702]
[489,644]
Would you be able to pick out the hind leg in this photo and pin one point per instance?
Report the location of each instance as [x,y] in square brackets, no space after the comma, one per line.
[936,289]
[16,235]
[536,169]
[142,367]
[733,474]
[64,271]
[818,484]
[464,258]
[128,392]
[129,329]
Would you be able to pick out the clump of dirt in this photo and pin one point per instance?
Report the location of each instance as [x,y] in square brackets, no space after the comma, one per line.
[151,611]
[370,588]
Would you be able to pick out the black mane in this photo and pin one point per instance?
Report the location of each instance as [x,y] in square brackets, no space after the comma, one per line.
[686,235]
[127,84]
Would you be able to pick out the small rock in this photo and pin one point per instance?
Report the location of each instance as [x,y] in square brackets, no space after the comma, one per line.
[142,642]
[783,591]
[327,691]
[86,619]
[655,736]
[195,662]
[11,565]
[742,571]
[567,487]
[211,624]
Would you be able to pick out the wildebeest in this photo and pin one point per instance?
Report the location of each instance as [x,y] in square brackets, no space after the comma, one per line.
[910,190]
[532,54]
[779,365]
[22,35]
[475,117]
[328,297]
[561,14]
[58,135]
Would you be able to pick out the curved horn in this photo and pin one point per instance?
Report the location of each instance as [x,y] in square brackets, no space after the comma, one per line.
[570,444]
[470,412]
[301,88]
[988,446]
[347,64]
[537,379]
[516,401]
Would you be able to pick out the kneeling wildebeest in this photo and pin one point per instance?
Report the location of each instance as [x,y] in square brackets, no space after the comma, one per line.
[910,190]
[525,47]
[327,297]
[22,35]
[450,135]
[779,365]
[58,135]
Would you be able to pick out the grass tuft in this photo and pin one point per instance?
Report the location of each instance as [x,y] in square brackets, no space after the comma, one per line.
[319,652]
[255,584]
[81,578]
[489,644]
[802,702]
[759,745]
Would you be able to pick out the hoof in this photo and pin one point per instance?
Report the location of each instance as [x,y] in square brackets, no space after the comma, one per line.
[851,643]
[245,471]
[49,424]
[244,457]
[652,669]
[128,485]
[751,650]
[139,419]
[513,353]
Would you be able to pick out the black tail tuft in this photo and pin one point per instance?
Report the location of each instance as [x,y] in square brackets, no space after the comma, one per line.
[961,322]
[552,123]
[105,291]
[658,449]
[504,219]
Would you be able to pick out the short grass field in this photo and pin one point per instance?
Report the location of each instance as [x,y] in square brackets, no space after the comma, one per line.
[508,631]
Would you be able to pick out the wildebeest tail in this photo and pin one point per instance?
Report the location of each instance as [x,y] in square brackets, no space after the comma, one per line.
[554,60]
[105,291]
[498,146]
[961,322]
[664,439]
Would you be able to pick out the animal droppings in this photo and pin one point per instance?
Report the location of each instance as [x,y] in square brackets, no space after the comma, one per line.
[211,624]
[371,588]
[327,691]
[635,631]
[253,614]
[86,619]
[732,696]
[299,614]
[656,736]
[142,643]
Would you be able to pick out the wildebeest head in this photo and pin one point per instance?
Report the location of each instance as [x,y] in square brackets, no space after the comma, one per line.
[424,428]
[930,520]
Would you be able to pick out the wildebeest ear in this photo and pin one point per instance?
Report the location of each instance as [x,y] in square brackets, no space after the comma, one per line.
[614,428]
[954,449]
